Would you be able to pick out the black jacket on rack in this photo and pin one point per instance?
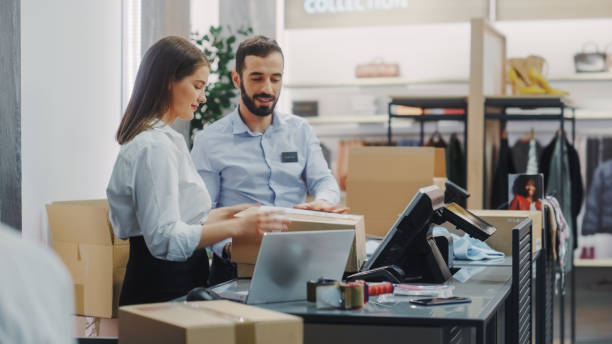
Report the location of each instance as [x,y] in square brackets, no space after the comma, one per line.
[520,154]
[577,191]
[505,165]
[455,161]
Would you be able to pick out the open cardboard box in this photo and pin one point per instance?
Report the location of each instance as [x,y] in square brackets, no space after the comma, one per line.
[504,221]
[83,238]
[96,327]
[207,322]
[383,180]
[245,249]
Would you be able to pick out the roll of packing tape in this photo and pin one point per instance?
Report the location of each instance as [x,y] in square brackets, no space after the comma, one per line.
[311,287]
[352,295]
[342,296]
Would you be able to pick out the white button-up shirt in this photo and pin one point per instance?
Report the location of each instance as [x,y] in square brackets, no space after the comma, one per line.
[155,191]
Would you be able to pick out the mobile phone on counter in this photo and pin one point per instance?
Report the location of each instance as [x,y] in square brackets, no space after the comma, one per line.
[441,301]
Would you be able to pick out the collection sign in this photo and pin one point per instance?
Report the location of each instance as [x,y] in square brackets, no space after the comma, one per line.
[301,14]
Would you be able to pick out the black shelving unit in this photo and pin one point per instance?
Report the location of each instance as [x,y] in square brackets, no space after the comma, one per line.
[499,108]
[545,279]
[425,103]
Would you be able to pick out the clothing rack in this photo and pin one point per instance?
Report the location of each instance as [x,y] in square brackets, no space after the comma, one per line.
[425,103]
[496,108]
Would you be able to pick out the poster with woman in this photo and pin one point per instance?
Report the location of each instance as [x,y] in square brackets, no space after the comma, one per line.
[525,191]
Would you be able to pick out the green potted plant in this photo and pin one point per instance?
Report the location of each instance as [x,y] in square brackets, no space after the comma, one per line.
[220,89]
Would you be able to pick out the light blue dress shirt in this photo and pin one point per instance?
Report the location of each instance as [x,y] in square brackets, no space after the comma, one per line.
[241,166]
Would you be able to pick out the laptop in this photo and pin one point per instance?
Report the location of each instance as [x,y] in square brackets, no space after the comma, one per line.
[286,261]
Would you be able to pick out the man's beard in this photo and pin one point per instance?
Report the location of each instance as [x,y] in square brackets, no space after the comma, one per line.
[261,111]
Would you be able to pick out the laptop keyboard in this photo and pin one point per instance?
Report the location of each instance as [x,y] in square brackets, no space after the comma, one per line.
[240,296]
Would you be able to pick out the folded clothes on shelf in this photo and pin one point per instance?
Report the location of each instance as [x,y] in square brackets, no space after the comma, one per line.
[468,248]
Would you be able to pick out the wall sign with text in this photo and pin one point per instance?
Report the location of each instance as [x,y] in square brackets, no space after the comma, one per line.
[302,14]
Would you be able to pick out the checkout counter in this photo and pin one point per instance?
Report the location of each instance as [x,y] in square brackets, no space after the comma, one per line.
[500,291]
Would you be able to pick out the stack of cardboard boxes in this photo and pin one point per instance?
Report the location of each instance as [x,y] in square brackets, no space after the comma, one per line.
[383,180]
[83,238]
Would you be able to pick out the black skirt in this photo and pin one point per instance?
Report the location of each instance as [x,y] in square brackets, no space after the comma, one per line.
[148,279]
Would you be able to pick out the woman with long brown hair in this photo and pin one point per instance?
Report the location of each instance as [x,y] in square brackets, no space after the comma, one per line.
[156,197]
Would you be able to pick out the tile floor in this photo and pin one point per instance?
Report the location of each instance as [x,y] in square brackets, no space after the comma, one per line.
[593,307]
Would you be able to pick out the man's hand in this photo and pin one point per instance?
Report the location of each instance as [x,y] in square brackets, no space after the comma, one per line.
[322,205]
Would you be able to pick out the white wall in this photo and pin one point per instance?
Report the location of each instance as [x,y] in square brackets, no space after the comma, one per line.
[431,51]
[70,91]
[204,14]
[423,51]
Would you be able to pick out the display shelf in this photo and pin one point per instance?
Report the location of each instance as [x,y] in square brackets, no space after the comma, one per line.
[430,101]
[375,82]
[431,118]
[607,76]
[527,117]
[529,101]
[593,115]
[594,263]
[406,81]
[357,119]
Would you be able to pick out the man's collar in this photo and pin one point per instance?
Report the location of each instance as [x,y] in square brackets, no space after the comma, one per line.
[240,127]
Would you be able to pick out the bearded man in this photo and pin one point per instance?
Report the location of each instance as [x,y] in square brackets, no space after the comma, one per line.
[258,155]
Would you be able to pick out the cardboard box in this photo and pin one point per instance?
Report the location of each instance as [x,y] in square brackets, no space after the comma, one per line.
[96,259]
[95,327]
[244,270]
[504,221]
[246,249]
[207,322]
[383,180]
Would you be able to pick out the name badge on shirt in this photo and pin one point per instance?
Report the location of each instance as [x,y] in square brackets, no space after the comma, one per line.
[289,157]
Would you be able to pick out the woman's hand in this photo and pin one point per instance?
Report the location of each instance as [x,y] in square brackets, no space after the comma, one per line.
[262,221]
[221,224]
[227,213]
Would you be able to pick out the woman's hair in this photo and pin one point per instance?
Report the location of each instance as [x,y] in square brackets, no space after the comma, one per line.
[169,60]
[518,188]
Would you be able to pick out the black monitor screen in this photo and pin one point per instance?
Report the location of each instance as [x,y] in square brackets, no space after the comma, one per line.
[397,246]
[468,222]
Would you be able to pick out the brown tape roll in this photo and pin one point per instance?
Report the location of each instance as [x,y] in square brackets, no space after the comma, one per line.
[311,287]
[351,295]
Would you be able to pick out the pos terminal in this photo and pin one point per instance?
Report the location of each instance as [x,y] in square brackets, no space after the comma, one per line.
[408,253]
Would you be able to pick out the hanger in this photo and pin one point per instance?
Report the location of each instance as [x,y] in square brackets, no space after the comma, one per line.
[436,136]
[527,137]
[531,134]
[559,133]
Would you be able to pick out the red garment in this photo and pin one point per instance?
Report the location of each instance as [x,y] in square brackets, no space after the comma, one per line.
[522,203]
